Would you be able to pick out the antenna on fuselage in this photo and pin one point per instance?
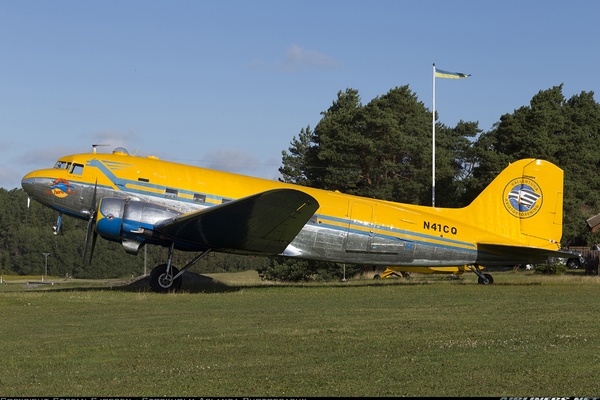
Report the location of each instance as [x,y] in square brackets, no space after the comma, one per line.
[96,145]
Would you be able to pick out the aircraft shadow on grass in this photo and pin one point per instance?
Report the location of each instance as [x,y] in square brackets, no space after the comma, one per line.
[197,284]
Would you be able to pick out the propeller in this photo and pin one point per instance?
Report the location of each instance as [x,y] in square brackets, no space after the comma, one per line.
[90,226]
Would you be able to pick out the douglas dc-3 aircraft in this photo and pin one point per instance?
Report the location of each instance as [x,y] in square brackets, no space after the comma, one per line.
[136,200]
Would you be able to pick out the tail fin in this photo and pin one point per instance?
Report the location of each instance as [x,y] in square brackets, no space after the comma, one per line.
[523,205]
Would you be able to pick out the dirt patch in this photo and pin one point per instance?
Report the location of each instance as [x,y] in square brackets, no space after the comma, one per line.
[192,282]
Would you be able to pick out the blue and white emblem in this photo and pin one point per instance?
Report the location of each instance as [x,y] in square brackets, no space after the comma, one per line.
[522,197]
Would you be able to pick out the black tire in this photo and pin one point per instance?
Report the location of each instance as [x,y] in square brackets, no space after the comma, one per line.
[488,281]
[573,263]
[377,276]
[160,284]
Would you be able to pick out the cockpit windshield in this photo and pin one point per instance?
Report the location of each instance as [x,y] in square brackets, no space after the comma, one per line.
[62,165]
[73,168]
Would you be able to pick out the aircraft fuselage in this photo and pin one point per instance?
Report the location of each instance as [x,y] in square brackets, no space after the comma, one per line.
[345,228]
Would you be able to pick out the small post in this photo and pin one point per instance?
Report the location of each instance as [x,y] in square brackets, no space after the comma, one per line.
[46,267]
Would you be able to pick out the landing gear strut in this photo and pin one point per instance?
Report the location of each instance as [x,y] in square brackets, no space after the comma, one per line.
[166,278]
[484,279]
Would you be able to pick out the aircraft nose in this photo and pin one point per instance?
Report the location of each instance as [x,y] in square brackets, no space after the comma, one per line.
[28,183]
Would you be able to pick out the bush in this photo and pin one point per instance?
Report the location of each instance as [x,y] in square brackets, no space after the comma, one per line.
[555,268]
[293,270]
[286,271]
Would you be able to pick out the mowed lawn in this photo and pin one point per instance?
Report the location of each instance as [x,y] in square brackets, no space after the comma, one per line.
[524,335]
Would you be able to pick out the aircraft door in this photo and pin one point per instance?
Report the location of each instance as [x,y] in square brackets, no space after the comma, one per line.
[360,227]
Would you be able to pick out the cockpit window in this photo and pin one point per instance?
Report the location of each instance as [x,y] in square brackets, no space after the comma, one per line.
[77,169]
[62,165]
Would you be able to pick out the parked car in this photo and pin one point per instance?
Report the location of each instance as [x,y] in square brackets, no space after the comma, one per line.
[575,262]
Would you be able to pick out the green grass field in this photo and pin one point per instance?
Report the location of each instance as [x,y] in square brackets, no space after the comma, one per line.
[526,335]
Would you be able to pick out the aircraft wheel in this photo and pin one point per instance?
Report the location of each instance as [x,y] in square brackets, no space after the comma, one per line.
[377,276]
[161,283]
[487,281]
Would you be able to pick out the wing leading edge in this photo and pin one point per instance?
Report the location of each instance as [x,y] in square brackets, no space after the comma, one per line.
[263,223]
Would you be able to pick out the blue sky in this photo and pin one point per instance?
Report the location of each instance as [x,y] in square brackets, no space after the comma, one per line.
[228,84]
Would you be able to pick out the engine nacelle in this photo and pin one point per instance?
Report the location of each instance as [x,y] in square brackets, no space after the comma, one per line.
[130,222]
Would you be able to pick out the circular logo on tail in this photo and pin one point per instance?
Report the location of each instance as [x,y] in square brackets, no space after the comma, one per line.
[522,197]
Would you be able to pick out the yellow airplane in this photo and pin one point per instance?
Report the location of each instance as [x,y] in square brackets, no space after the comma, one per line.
[136,200]
[456,270]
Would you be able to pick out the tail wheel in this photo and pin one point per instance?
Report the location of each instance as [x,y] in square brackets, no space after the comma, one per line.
[161,282]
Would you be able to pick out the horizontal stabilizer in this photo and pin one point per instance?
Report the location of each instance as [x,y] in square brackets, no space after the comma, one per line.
[507,254]
[262,223]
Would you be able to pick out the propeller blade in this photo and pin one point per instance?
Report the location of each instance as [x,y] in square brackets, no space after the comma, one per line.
[93,245]
[87,236]
[93,205]
[90,225]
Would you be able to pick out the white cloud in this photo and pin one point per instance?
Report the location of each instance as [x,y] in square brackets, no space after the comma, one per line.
[238,162]
[231,160]
[9,178]
[298,59]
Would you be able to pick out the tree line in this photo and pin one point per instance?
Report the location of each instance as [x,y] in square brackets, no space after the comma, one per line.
[26,233]
[381,149]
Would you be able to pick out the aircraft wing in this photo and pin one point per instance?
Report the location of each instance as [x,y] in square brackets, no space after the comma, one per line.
[265,222]
[520,254]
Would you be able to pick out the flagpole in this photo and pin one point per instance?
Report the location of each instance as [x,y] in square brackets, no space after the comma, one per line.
[433,145]
[440,74]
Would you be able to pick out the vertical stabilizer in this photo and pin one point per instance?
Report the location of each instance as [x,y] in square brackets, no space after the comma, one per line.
[523,205]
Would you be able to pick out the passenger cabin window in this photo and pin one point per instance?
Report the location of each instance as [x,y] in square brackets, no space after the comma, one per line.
[199,198]
[143,180]
[171,192]
[77,169]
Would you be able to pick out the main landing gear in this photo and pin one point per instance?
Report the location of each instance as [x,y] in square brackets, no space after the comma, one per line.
[166,278]
[484,279]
